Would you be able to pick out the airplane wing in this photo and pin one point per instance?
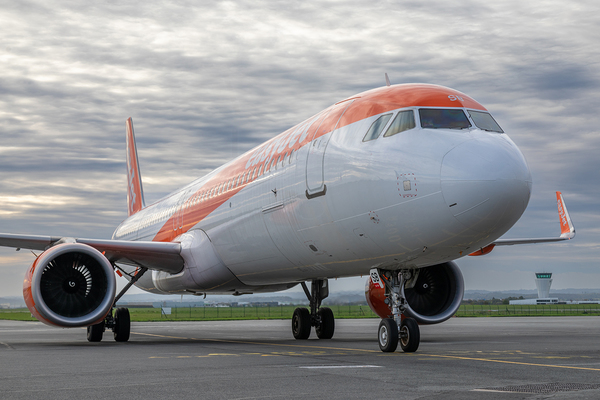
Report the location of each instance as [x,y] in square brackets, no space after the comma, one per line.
[161,256]
[567,231]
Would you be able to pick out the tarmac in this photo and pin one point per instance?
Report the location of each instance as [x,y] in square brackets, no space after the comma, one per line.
[463,358]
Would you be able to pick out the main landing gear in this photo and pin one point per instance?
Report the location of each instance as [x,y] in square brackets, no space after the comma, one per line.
[120,322]
[398,328]
[319,317]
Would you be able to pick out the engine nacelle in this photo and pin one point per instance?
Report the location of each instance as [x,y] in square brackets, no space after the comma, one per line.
[70,285]
[434,297]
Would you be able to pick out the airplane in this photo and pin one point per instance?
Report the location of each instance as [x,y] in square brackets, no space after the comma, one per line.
[395,183]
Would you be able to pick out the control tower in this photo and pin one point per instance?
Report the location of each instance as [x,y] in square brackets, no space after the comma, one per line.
[543,280]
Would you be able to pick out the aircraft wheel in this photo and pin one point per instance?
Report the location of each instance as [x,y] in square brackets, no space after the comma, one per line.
[410,336]
[301,323]
[122,325]
[326,326]
[388,335]
[94,332]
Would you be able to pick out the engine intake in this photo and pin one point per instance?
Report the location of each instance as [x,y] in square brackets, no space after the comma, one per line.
[435,296]
[70,285]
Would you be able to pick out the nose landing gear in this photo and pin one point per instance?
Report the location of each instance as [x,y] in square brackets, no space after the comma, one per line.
[398,328]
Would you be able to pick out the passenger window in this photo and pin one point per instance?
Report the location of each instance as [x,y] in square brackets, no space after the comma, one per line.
[434,118]
[404,121]
[485,121]
[376,128]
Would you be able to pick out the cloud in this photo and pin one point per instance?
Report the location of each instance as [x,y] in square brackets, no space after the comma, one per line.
[207,81]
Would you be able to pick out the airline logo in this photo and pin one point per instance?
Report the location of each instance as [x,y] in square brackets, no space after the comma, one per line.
[251,165]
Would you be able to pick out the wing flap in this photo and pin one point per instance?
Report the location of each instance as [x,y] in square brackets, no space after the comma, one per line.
[33,242]
[160,256]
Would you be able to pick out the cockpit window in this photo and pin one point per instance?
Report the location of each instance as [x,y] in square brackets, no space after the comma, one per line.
[404,121]
[434,118]
[485,121]
[375,129]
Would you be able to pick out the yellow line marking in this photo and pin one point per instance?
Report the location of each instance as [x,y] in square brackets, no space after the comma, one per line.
[376,351]
[223,354]
[260,343]
[510,362]
[162,336]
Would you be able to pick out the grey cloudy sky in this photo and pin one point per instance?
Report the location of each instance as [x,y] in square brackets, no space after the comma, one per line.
[205,81]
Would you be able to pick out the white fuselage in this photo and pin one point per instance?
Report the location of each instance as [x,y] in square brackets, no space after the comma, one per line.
[338,206]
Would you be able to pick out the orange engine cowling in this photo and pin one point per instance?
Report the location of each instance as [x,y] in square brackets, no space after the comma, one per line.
[434,297]
[70,285]
[376,299]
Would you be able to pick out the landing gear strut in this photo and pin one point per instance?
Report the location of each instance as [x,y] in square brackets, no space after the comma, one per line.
[398,328]
[120,323]
[319,317]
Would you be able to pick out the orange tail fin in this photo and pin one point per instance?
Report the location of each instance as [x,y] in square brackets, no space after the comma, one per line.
[135,193]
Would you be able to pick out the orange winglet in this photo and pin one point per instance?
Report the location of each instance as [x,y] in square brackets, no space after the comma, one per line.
[484,250]
[562,215]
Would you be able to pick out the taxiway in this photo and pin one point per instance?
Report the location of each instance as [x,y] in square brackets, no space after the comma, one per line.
[463,358]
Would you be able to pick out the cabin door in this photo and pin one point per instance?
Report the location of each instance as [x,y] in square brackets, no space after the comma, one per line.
[315,175]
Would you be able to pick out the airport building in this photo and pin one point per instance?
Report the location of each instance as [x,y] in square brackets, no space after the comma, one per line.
[543,280]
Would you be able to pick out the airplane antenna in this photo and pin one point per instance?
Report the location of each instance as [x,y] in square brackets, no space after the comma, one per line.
[387,80]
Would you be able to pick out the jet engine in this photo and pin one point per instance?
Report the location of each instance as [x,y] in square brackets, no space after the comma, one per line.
[433,296]
[70,285]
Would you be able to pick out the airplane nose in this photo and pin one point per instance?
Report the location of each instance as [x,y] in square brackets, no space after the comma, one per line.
[486,184]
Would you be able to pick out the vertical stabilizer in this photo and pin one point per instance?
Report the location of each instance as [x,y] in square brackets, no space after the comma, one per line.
[135,193]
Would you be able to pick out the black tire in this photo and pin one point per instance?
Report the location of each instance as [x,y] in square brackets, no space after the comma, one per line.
[388,335]
[326,325]
[301,323]
[122,326]
[94,332]
[410,335]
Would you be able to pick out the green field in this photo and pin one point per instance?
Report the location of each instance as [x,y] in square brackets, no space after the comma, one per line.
[502,310]
[213,313]
[340,311]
